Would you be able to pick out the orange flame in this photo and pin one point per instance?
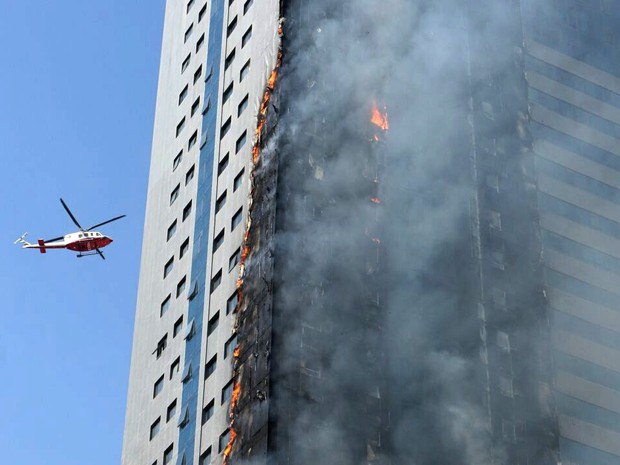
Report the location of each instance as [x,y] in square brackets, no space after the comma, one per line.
[379,119]
[231,441]
[236,353]
[235,396]
[376,200]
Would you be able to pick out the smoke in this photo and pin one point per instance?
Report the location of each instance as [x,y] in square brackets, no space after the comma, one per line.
[376,326]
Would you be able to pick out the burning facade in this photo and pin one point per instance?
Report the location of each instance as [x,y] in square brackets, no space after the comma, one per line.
[399,297]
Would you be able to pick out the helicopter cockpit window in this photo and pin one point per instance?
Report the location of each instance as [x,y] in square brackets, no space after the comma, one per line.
[80,235]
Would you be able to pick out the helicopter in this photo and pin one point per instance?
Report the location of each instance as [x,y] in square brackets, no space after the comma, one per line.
[84,240]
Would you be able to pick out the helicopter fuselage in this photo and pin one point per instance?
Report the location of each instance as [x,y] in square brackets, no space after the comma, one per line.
[81,241]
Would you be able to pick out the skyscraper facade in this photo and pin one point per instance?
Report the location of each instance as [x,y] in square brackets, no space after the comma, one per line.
[403,252]
[574,86]
[215,61]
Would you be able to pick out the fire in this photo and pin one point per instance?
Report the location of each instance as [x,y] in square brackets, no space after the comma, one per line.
[231,441]
[376,200]
[378,118]
[235,396]
[262,117]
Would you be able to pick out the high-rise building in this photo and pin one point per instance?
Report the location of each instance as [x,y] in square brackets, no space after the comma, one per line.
[574,87]
[405,252]
[216,58]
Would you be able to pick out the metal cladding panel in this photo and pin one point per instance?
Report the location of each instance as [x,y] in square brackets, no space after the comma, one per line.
[573,83]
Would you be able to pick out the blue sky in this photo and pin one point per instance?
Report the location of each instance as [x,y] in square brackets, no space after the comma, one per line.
[77,94]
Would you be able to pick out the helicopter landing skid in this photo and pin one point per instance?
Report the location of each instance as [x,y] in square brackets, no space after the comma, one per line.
[96,252]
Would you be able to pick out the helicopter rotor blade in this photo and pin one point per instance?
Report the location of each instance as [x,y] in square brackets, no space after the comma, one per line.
[71,215]
[55,239]
[105,222]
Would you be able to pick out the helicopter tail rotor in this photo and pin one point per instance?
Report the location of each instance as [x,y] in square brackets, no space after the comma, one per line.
[22,240]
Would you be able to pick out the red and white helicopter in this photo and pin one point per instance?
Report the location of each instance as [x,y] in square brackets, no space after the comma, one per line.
[84,240]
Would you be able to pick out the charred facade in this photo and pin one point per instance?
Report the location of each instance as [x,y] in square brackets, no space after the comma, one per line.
[365,339]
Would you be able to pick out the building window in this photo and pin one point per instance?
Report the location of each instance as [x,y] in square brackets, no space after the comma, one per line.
[498,297]
[177,326]
[190,331]
[168,454]
[503,341]
[168,267]
[158,386]
[227,93]
[183,94]
[234,259]
[231,27]
[244,71]
[236,219]
[247,5]
[171,230]
[181,286]
[165,306]
[190,174]
[220,202]
[175,193]
[177,160]
[222,165]
[187,373]
[213,323]
[161,345]
[229,59]
[175,367]
[185,63]
[227,391]
[209,74]
[210,367]
[492,181]
[155,428]
[207,412]
[197,74]
[216,280]
[202,12]
[187,210]
[188,33]
[505,386]
[192,140]
[189,5]
[225,127]
[184,248]
[206,106]
[231,303]
[204,139]
[171,410]
[246,37]
[238,180]
[495,220]
[230,345]
[205,457]
[200,42]
[243,105]
[241,141]
[195,106]
[180,126]
[224,440]
[218,241]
